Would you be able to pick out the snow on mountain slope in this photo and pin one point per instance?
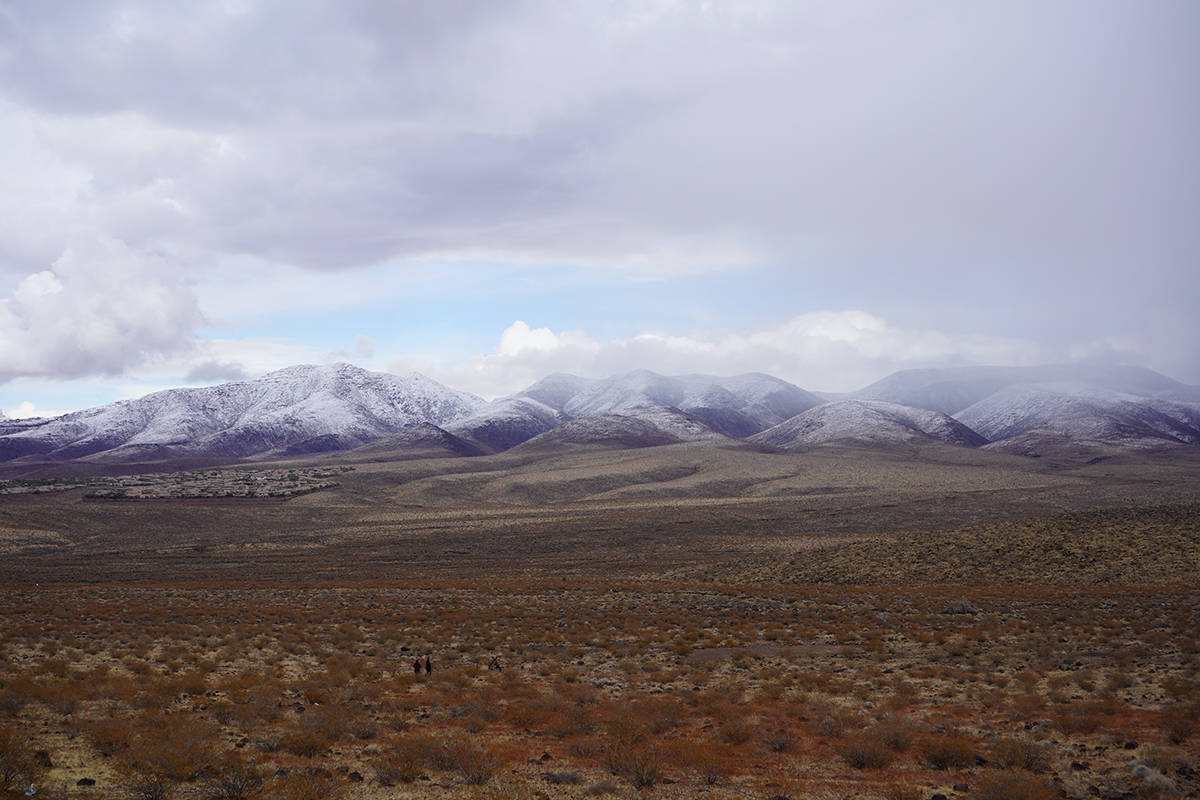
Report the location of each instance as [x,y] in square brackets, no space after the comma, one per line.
[298,409]
[1069,412]
[705,406]
[866,422]
[645,426]
[506,423]
[954,389]
[683,426]
[557,389]
[736,406]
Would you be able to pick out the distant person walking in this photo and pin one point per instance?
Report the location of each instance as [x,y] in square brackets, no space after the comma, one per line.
[428,666]
[417,667]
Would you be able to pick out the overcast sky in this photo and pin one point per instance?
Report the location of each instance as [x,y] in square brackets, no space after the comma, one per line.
[490,191]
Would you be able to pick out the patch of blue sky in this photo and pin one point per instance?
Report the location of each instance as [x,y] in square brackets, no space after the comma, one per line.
[26,397]
[461,307]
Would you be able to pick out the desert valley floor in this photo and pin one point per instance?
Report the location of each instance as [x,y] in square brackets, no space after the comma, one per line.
[677,621]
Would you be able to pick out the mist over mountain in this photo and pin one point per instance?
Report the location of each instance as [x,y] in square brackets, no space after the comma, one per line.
[1019,417]
[737,406]
[867,422]
[951,390]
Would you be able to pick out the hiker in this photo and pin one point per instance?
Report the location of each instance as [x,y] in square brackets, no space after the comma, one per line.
[428,666]
[417,667]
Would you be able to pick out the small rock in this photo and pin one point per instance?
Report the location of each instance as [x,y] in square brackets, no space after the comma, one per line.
[1130,745]
[938,796]
[545,757]
[85,782]
[42,759]
[355,777]
[961,787]
[961,606]
[1079,766]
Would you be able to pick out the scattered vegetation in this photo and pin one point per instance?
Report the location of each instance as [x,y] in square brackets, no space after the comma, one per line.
[295,692]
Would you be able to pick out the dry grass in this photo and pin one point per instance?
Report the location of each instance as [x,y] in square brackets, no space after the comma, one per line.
[641,648]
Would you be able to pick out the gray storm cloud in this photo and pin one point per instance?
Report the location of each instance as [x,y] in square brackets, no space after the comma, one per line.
[100,308]
[1030,166]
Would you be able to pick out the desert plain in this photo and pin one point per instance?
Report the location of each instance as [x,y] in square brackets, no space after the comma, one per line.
[662,622]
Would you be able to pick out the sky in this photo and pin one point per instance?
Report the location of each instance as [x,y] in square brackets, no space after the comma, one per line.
[489,191]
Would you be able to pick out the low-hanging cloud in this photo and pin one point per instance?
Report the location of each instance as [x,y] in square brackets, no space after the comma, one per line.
[826,350]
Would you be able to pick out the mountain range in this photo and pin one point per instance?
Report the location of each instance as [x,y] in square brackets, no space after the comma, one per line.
[314,409]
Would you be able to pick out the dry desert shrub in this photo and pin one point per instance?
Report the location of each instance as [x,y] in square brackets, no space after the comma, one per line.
[234,780]
[735,730]
[305,787]
[1026,705]
[1021,754]
[948,752]
[1119,680]
[1179,688]
[1081,718]
[150,787]
[1015,785]
[901,790]
[1179,723]
[574,720]
[865,750]
[628,755]
[780,740]
[302,742]
[895,731]
[474,762]
[14,694]
[18,766]
[634,760]
[710,763]
[170,747]
[658,714]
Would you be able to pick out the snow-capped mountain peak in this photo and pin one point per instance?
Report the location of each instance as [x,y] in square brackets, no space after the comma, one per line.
[303,408]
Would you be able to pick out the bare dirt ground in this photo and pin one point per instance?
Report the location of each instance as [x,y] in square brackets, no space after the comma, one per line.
[669,622]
